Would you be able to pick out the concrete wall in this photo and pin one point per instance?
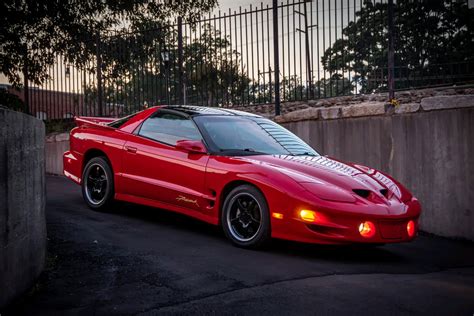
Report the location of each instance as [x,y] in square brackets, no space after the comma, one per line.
[55,146]
[430,152]
[22,202]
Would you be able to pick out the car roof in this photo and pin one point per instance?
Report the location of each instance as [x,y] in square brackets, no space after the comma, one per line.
[193,110]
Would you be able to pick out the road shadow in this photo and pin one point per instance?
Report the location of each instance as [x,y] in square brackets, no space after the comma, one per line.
[342,253]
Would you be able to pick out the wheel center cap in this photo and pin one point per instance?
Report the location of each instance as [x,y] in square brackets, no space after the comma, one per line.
[245,218]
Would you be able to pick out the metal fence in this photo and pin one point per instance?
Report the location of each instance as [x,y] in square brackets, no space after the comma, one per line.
[287,51]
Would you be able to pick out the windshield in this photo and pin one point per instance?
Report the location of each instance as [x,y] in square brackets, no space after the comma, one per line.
[241,135]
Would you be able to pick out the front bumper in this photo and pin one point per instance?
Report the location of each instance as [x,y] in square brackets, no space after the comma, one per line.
[339,224]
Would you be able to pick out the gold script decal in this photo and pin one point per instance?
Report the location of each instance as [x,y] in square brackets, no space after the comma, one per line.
[185,199]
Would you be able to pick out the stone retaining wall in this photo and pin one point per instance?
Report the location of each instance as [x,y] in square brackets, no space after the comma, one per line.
[407,99]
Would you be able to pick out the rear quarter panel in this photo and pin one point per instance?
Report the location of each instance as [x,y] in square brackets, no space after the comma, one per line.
[84,140]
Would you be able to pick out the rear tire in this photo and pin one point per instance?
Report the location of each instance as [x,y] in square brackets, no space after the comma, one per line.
[245,217]
[98,184]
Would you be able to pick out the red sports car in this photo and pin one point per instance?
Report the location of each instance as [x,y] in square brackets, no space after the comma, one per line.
[238,170]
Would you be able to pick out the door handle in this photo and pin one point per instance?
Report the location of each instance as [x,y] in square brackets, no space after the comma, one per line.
[132,150]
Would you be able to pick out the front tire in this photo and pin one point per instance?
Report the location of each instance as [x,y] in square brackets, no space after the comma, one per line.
[245,217]
[98,184]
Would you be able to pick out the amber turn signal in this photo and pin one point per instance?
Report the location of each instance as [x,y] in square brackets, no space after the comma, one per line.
[367,229]
[277,215]
[308,216]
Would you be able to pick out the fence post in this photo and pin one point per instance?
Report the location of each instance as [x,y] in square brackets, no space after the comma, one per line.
[391,53]
[26,88]
[99,77]
[308,54]
[180,60]
[276,58]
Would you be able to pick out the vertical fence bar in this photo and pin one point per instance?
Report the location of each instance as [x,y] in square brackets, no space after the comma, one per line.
[231,96]
[26,85]
[99,77]
[225,57]
[391,53]
[336,58]
[180,60]
[309,80]
[264,80]
[283,51]
[252,50]
[317,49]
[276,58]
[288,84]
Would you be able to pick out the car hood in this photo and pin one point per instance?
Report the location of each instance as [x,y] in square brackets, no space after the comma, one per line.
[323,174]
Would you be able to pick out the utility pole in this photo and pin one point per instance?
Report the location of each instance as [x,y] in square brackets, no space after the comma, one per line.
[307,48]
[269,72]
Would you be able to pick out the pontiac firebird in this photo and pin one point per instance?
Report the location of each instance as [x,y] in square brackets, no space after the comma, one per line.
[238,170]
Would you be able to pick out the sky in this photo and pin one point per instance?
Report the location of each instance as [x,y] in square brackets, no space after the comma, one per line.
[224,5]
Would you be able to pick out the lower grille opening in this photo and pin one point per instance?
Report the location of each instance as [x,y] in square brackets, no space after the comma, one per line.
[384,192]
[329,231]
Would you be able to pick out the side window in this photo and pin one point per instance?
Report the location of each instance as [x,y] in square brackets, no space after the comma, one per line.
[168,128]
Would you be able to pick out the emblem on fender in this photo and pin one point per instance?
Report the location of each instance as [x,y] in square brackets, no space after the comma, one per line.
[181,198]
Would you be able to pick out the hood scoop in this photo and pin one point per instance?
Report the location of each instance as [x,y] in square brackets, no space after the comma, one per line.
[362,193]
[372,196]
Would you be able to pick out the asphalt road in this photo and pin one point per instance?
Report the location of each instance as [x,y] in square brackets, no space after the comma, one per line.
[139,260]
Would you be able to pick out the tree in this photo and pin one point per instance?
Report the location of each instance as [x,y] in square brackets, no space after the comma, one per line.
[33,33]
[431,36]
[11,101]
[212,69]
[211,73]
[292,88]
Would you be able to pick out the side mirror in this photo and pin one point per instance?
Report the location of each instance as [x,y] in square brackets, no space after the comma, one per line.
[191,146]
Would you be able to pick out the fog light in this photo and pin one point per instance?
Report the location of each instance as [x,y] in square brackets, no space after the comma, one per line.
[277,215]
[308,216]
[367,229]
[411,228]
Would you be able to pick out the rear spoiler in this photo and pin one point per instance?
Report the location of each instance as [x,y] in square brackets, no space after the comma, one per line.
[94,121]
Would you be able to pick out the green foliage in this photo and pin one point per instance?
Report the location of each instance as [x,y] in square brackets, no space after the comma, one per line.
[33,33]
[430,37]
[11,101]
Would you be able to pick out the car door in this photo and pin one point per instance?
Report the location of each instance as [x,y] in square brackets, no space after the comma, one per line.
[154,169]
